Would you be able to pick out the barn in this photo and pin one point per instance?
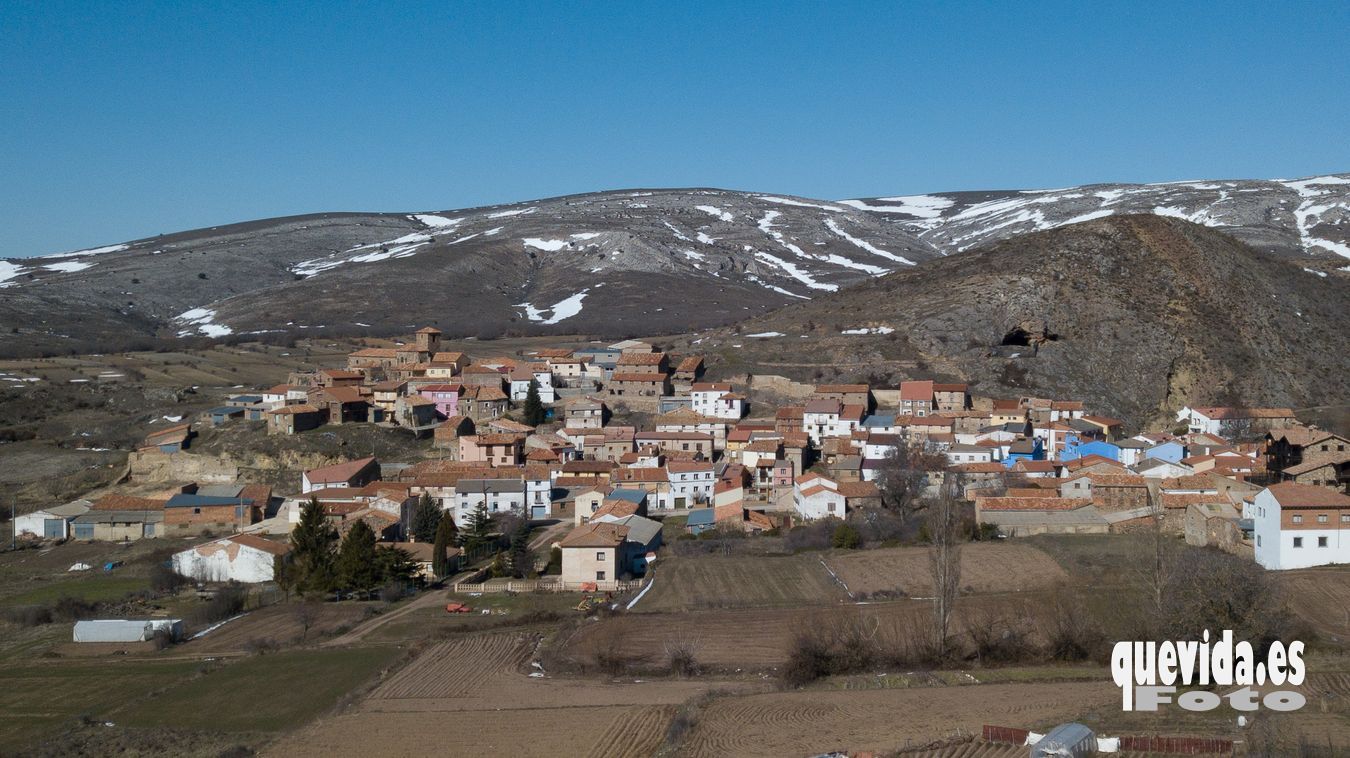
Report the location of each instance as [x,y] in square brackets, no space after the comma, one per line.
[51,523]
[244,558]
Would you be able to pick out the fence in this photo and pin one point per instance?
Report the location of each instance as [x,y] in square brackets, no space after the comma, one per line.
[544,585]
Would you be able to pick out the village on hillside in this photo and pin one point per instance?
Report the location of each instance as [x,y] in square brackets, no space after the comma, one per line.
[588,517]
[536,436]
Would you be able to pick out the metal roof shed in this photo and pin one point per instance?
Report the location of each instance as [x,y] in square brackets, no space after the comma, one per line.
[126,630]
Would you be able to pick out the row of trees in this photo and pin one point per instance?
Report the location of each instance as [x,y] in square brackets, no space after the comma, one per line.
[479,538]
[320,562]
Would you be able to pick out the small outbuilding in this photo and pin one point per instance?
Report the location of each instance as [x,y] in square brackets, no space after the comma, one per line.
[51,523]
[127,630]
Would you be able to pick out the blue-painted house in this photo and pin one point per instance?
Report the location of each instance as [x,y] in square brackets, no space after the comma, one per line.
[1026,449]
[700,521]
[1075,448]
[1170,451]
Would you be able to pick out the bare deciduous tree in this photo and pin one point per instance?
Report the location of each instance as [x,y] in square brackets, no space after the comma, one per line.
[944,553]
[904,475]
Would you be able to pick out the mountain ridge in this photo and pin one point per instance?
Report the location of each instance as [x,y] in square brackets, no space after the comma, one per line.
[640,261]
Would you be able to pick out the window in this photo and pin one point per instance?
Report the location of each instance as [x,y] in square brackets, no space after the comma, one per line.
[1298,542]
[600,556]
[1345,518]
[1298,519]
[599,576]
[1321,541]
[1258,540]
[1321,518]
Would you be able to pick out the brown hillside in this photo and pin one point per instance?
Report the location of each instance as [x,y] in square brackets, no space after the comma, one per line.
[1137,315]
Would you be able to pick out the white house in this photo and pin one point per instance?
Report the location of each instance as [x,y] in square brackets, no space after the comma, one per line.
[957,454]
[1299,525]
[816,497]
[500,495]
[541,375]
[716,400]
[51,523]
[691,482]
[244,558]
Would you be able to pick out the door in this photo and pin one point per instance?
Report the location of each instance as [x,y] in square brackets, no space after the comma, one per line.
[54,528]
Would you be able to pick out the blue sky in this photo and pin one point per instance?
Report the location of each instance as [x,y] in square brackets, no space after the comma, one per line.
[124,120]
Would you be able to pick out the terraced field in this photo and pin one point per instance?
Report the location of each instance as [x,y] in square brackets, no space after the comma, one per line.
[714,581]
[457,668]
[985,567]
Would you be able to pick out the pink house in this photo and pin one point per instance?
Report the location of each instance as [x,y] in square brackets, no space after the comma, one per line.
[445,396]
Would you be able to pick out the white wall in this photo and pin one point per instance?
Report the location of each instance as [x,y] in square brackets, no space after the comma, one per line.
[249,564]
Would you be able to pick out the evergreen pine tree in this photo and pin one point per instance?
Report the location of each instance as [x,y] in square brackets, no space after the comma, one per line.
[446,533]
[356,570]
[393,565]
[534,407]
[478,532]
[519,555]
[312,540]
[426,518]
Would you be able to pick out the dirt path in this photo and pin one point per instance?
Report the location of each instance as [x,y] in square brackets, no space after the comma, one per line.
[425,600]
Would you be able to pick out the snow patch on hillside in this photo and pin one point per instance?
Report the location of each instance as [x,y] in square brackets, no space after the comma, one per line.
[517,212]
[201,321]
[865,245]
[9,271]
[713,210]
[793,271]
[799,203]
[918,206]
[559,311]
[436,222]
[91,251]
[68,267]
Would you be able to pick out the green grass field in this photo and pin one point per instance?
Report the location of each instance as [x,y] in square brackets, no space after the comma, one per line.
[265,693]
[37,698]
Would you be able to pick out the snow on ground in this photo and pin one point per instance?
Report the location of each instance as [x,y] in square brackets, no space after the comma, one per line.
[1322,274]
[1103,213]
[517,212]
[799,203]
[561,310]
[865,245]
[918,206]
[1313,203]
[713,210]
[493,231]
[202,319]
[1338,248]
[679,235]
[9,271]
[766,334]
[548,246]
[68,267]
[1201,216]
[869,330]
[704,238]
[774,287]
[436,222]
[694,255]
[586,235]
[91,251]
[796,273]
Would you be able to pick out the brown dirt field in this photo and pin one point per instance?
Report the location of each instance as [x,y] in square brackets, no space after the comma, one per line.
[985,567]
[749,639]
[277,623]
[714,581]
[584,731]
[809,722]
[457,668]
[1322,597]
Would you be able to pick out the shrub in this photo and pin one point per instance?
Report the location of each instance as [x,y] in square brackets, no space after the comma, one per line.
[846,537]
[227,602]
[29,615]
[72,609]
[682,656]
[164,579]
[809,659]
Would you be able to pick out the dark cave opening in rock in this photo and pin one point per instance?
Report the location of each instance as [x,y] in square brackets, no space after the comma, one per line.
[1021,337]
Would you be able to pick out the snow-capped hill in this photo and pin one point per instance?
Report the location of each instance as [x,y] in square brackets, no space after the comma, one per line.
[1290,217]
[605,263]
